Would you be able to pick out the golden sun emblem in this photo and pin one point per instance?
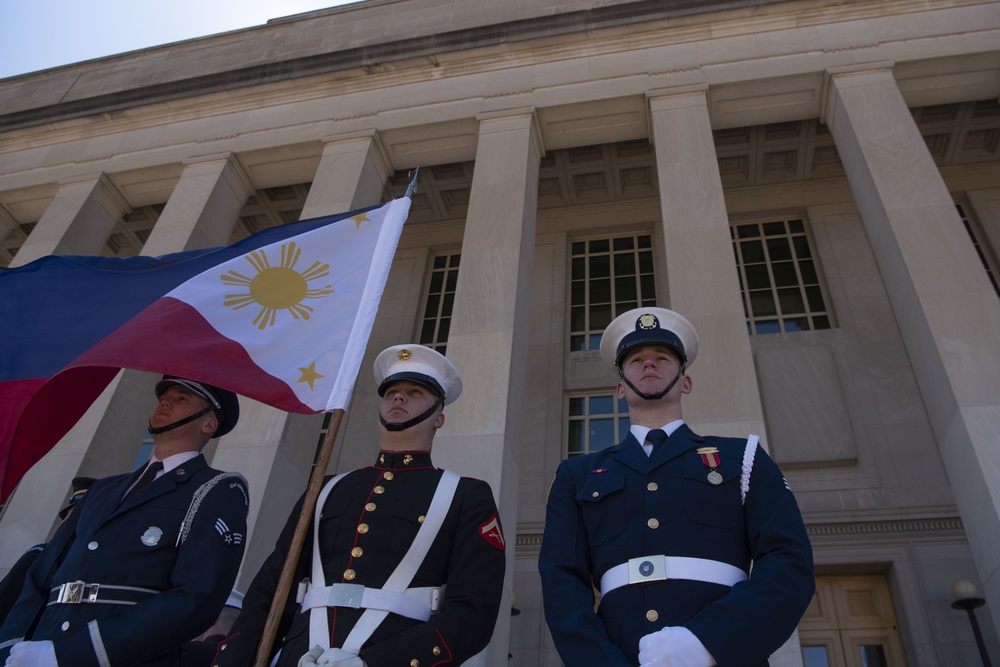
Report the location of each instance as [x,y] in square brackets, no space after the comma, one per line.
[277,288]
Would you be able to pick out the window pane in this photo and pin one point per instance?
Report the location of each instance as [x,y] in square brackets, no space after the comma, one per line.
[602,405]
[600,291]
[791,301]
[645,262]
[440,262]
[644,241]
[600,317]
[432,305]
[437,280]
[797,324]
[624,264]
[576,406]
[624,243]
[578,248]
[802,250]
[767,327]
[427,331]
[778,250]
[758,277]
[575,434]
[579,268]
[808,271]
[815,298]
[452,281]
[577,343]
[773,228]
[762,304]
[443,328]
[747,231]
[873,655]
[815,656]
[647,284]
[602,433]
[625,289]
[448,305]
[600,266]
[599,245]
[578,318]
[821,322]
[578,293]
[753,252]
[784,274]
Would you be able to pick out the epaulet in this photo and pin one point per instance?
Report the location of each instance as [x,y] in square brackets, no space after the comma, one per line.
[199,496]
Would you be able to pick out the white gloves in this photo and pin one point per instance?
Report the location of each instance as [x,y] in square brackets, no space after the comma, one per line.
[673,647]
[309,659]
[336,657]
[32,654]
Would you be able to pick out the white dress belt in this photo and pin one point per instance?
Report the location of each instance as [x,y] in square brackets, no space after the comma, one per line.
[657,568]
[415,603]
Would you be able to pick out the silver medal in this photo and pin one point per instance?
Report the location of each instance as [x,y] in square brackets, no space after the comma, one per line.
[714,477]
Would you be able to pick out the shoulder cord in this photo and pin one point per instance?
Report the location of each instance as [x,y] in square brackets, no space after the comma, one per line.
[748,454]
[196,499]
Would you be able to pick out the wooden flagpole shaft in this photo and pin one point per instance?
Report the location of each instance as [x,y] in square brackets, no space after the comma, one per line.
[298,540]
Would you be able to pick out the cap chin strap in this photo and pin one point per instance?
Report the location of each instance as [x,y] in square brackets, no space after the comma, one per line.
[651,397]
[156,430]
[402,426]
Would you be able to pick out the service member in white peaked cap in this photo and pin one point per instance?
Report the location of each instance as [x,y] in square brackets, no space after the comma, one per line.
[667,524]
[366,549]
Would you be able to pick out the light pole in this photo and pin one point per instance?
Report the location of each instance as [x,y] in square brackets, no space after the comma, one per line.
[967,598]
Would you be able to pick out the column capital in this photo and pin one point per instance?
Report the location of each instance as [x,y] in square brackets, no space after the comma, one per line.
[370,140]
[861,70]
[504,120]
[240,179]
[661,96]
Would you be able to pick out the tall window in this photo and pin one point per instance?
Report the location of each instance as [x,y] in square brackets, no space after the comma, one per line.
[778,277]
[594,422]
[440,302]
[985,256]
[608,277]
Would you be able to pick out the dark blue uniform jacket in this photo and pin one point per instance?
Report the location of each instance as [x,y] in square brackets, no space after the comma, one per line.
[609,506]
[134,545]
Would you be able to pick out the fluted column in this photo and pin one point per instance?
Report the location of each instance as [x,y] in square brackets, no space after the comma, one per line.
[947,311]
[274,449]
[488,340]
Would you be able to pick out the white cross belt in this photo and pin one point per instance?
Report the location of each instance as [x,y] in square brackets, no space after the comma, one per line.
[415,603]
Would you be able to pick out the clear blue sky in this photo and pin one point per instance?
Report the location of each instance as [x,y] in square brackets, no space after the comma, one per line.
[40,34]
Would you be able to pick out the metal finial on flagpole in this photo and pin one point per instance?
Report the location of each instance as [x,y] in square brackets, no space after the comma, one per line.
[413,183]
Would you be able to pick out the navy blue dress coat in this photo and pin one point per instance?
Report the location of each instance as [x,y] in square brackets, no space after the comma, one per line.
[600,513]
[134,545]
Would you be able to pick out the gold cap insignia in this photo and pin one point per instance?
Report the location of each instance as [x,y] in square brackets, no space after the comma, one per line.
[404,355]
[648,321]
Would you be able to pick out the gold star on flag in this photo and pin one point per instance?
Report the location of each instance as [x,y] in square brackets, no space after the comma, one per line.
[309,375]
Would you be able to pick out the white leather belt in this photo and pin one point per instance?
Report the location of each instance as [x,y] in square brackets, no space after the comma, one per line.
[657,568]
[415,603]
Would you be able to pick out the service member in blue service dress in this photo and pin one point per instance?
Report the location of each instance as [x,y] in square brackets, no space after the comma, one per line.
[407,564]
[667,524]
[146,560]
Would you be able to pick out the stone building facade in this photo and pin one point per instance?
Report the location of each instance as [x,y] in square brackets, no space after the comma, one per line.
[814,183]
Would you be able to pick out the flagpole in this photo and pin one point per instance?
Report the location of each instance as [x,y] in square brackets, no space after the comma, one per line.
[298,539]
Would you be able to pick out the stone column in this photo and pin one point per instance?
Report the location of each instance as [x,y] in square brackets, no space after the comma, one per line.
[701,274]
[274,449]
[488,341]
[203,208]
[701,277]
[79,220]
[947,310]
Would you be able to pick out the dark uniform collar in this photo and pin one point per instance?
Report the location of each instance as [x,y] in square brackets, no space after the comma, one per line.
[403,460]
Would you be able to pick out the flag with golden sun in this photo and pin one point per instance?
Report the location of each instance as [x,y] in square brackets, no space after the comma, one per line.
[282,317]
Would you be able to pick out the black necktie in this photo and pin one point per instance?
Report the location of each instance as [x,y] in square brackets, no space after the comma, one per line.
[656,437]
[148,475]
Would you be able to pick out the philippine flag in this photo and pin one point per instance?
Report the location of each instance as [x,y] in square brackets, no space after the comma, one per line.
[282,317]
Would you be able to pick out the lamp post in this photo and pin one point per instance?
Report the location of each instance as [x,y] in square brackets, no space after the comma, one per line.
[967,598]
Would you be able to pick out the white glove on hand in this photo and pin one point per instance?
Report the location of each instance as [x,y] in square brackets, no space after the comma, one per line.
[32,654]
[309,659]
[673,647]
[338,657]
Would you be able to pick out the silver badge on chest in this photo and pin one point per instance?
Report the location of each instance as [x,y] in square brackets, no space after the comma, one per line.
[152,536]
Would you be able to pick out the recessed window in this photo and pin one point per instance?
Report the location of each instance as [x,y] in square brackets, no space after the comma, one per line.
[595,422]
[607,277]
[440,301]
[778,277]
[983,250]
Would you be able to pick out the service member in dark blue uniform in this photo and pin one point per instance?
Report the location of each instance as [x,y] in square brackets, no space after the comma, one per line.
[667,530]
[13,582]
[368,523]
[146,560]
